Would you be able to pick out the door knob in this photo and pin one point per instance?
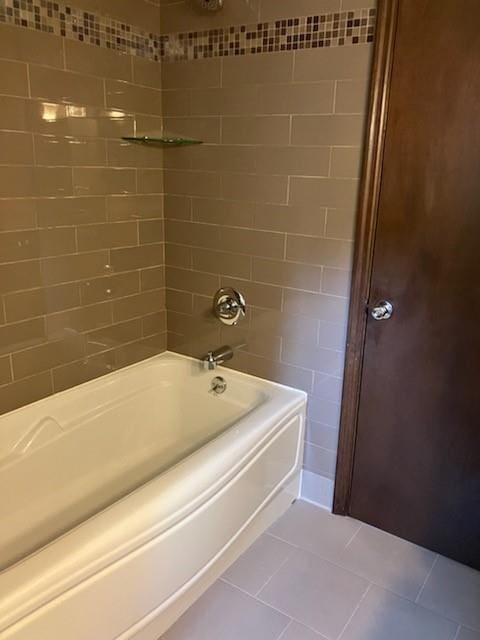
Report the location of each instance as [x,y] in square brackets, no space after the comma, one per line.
[382,310]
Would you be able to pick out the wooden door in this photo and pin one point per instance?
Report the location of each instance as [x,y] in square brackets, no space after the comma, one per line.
[416,457]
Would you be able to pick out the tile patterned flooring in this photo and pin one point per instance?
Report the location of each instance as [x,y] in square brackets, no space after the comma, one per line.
[315,576]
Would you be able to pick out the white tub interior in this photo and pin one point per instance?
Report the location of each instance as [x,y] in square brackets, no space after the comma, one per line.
[68,457]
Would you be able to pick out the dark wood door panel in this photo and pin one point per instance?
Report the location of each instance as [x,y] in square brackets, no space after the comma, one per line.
[417,455]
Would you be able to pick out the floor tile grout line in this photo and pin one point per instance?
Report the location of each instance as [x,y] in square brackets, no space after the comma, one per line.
[422,588]
[459,628]
[282,635]
[275,573]
[367,590]
[262,602]
[353,537]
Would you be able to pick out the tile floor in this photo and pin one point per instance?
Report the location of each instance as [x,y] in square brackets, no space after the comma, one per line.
[315,576]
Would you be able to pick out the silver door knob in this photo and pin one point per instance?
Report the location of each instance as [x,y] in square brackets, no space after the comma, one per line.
[382,311]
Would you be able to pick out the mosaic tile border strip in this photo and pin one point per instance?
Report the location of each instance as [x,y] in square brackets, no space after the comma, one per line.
[344,28]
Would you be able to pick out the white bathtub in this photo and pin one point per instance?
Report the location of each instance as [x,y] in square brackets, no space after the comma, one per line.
[121,500]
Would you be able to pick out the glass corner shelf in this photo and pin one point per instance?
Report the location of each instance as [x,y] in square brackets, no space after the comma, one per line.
[162,141]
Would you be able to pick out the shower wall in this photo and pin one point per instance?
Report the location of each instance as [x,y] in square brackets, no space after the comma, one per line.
[81,211]
[267,204]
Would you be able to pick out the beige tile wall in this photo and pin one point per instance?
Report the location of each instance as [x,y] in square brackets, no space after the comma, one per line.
[267,205]
[81,213]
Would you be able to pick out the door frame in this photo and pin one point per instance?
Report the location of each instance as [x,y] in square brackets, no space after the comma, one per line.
[387,15]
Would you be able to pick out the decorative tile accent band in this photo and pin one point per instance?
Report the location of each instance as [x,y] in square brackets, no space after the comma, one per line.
[307,32]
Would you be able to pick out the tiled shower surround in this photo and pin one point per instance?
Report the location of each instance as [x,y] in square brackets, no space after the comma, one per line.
[266,204]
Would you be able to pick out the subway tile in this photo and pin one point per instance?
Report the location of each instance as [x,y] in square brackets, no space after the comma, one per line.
[121,153]
[335,63]
[336,282]
[180,301]
[25,245]
[65,86]
[191,183]
[254,187]
[194,234]
[302,161]
[60,212]
[206,129]
[177,207]
[279,323]
[106,236]
[320,306]
[256,130]
[177,102]
[223,263]
[55,150]
[346,162]
[328,387]
[103,181]
[340,223]
[46,356]
[15,148]
[96,61]
[150,231]
[251,242]
[17,214]
[324,411]
[5,372]
[178,256]
[21,275]
[319,460]
[321,435]
[269,68]
[141,257]
[328,130]
[326,192]
[352,96]
[113,336]
[191,74]
[150,181]
[18,182]
[258,294]
[332,335]
[19,394]
[319,251]
[13,78]
[287,274]
[303,354]
[298,98]
[74,267]
[229,213]
[154,323]
[19,335]
[282,373]
[192,281]
[134,207]
[131,97]
[109,287]
[138,305]
[307,219]
[216,101]
[146,72]
[152,278]
[28,45]
[74,322]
